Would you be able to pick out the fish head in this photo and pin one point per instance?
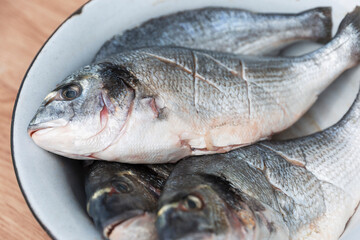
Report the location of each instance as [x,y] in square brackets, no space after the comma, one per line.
[121,198]
[201,211]
[84,113]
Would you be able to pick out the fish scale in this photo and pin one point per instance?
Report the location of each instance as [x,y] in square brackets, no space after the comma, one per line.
[230,97]
[305,188]
[224,29]
[333,157]
[323,162]
[298,194]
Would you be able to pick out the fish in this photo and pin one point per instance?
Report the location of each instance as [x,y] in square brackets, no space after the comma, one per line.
[162,104]
[122,198]
[304,188]
[225,30]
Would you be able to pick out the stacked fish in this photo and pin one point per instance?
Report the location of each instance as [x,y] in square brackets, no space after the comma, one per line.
[176,88]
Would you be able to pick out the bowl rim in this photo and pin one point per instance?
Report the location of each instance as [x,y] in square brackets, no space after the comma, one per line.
[42,224]
[76,12]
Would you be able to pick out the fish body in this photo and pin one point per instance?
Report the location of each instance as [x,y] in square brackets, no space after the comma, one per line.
[161,104]
[225,30]
[306,188]
[122,198]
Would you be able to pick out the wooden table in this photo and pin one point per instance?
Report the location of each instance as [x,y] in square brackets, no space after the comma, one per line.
[24,27]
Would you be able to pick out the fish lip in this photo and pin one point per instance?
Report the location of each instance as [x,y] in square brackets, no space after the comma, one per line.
[189,235]
[35,128]
[199,235]
[122,218]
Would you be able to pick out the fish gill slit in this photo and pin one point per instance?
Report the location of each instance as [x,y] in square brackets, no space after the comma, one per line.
[232,71]
[195,81]
[243,76]
[202,78]
[170,61]
[187,70]
[294,162]
[298,163]
[276,190]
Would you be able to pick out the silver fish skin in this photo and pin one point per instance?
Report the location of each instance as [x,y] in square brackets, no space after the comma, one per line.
[122,198]
[161,104]
[225,30]
[306,188]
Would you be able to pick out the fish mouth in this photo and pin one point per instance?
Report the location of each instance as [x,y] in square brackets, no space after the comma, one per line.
[32,130]
[126,218]
[199,236]
[169,226]
[44,127]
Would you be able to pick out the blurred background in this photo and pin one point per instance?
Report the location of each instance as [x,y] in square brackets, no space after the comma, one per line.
[24,27]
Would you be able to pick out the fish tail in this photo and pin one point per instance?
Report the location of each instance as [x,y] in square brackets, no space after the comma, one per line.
[350,26]
[349,33]
[320,20]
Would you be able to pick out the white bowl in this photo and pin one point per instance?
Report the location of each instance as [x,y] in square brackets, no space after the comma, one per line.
[53,185]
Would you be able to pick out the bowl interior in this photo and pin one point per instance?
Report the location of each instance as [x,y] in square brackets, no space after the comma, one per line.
[53,185]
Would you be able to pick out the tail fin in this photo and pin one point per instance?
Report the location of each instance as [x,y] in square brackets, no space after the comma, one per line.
[350,28]
[351,20]
[321,21]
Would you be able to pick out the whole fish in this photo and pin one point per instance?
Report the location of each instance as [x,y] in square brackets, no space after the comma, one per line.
[306,188]
[224,29]
[161,104]
[122,198]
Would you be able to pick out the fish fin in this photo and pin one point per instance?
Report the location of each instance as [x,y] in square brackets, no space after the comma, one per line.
[351,19]
[152,107]
[321,16]
[351,25]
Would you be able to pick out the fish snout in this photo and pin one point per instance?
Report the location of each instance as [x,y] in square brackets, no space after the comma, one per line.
[164,224]
[50,115]
[141,227]
[173,223]
[33,128]
[107,223]
[110,208]
[37,124]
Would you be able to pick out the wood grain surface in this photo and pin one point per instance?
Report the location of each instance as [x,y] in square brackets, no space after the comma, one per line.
[24,27]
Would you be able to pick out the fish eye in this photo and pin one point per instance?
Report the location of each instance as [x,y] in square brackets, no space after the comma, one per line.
[121,186]
[192,202]
[70,92]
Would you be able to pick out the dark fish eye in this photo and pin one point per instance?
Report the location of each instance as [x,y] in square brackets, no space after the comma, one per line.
[71,92]
[192,202]
[121,186]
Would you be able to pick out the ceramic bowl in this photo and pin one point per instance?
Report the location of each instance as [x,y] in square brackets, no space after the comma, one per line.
[52,185]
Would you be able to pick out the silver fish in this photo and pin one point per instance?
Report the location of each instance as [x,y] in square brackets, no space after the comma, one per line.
[122,198]
[224,29]
[161,104]
[306,188]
